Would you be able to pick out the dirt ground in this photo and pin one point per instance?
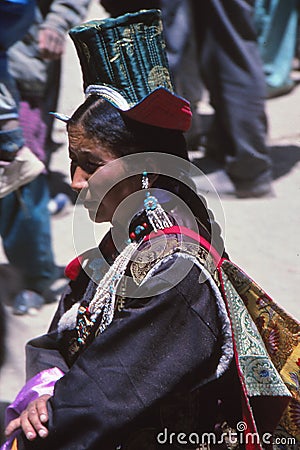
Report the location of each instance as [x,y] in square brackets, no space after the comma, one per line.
[261,235]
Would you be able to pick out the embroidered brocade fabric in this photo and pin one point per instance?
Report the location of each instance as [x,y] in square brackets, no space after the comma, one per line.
[281,337]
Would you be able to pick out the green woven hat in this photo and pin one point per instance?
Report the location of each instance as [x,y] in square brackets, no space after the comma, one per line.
[124,61]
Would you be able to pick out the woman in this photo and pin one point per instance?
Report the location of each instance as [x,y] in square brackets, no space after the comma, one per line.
[140,350]
[92,153]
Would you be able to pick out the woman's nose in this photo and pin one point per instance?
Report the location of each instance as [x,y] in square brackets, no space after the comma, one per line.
[79,179]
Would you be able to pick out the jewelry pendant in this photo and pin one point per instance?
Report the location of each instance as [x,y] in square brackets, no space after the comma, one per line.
[156,214]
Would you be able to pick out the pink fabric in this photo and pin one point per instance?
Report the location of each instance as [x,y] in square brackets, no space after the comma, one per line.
[40,384]
[34,127]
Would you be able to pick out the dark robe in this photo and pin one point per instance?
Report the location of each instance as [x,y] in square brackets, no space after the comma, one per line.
[151,373]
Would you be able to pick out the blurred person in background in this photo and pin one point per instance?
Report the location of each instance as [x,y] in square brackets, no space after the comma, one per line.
[25,218]
[277,24]
[228,61]
[216,41]
[18,165]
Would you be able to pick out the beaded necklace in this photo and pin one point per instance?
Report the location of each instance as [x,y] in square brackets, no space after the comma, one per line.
[83,316]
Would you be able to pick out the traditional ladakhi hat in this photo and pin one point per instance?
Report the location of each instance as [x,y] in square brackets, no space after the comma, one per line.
[124,61]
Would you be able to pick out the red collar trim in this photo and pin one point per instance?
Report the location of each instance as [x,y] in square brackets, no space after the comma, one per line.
[191,234]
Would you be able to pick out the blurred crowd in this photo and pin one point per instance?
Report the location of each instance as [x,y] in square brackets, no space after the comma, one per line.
[238,53]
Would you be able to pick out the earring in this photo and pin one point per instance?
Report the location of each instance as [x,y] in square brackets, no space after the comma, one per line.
[156,215]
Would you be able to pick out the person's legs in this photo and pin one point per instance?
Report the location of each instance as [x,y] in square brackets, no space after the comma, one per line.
[26,224]
[232,71]
[276,23]
[183,59]
[26,234]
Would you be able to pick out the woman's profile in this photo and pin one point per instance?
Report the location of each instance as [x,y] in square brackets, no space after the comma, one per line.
[159,340]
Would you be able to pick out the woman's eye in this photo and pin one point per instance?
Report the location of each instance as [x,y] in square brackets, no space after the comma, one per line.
[90,167]
[87,166]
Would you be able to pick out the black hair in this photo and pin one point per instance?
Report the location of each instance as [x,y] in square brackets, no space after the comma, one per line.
[104,123]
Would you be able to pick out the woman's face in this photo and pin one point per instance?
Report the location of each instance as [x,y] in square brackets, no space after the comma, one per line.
[97,171]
